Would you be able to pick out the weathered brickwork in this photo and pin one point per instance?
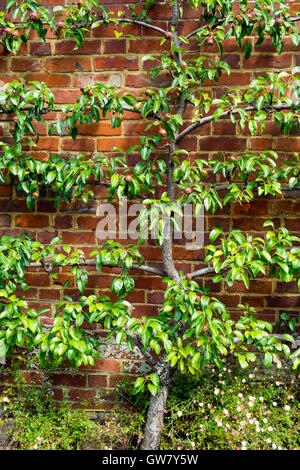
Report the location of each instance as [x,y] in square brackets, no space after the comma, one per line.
[119,61]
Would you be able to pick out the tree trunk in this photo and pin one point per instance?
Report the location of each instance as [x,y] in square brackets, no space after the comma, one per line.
[155,420]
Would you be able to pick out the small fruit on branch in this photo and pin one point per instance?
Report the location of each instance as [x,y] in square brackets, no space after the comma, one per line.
[162,132]
[184,65]
[34,16]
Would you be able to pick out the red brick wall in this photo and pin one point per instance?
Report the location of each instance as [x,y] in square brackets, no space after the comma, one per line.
[105,58]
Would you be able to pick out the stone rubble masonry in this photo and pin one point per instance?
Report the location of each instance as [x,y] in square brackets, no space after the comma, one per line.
[119,61]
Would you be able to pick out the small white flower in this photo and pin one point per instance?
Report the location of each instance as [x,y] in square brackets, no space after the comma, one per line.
[274,403]
[274,446]
[268,441]
[5,399]
[270,428]
[287,407]
[240,395]
[265,420]
[179,413]
[243,380]
[216,391]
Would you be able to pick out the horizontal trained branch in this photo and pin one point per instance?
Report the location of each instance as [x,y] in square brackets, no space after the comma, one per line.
[218,23]
[140,267]
[207,119]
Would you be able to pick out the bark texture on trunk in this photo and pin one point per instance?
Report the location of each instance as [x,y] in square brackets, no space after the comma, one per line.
[155,420]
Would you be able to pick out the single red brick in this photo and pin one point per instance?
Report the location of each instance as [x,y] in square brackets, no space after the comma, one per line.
[37,279]
[32,220]
[288,144]
[69,380]
[83,145]
[23,65]
[52,79]
[67,64]
[116,63]
[290,301]
[81,395]
[79,238]
[67,47]
[63,221]
[115,46]
[268,61]
[222,144]
[5,220]
[98,380]
[40,49]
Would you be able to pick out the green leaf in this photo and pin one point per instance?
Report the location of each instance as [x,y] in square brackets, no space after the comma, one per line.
[154,379]
[268,359]
[248,49]
[153,389]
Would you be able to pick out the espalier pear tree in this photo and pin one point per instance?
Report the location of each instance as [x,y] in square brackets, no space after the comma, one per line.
[192,328]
